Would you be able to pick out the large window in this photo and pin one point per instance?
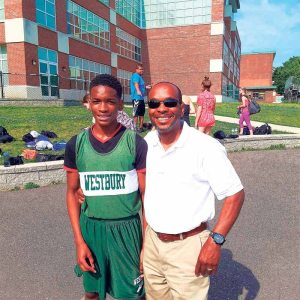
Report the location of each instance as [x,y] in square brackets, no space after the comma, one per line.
[164,13]
[82,71]
[128,45]
[130,10]
[2,10]
[3,65]
[106,2]
[48,72]
[124,77]
[87,26]
[45,13]
[226,54]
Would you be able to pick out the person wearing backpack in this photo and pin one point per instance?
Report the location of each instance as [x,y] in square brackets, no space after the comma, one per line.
[244,111]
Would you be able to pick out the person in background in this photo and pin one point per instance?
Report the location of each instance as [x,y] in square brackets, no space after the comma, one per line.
[186,169]
[244,112]
[138,92]
[86,103]
[188,108]
[108,163]
[206,102]
[122,117]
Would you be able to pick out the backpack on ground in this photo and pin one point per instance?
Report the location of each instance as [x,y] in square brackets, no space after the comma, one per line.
[3,131]
[263,129]
[254,107]
[246,130]
[4,136]
[220,135]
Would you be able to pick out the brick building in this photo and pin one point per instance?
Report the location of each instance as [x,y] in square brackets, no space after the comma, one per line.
[52,48]
[256,75]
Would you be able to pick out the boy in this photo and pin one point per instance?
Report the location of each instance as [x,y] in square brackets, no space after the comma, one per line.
[108,163]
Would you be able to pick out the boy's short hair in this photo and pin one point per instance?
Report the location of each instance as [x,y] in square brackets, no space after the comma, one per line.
[107,80]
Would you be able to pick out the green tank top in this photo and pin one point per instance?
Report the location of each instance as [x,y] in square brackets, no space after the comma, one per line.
[109,181]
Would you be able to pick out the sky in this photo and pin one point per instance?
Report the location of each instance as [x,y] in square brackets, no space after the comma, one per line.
[270,25]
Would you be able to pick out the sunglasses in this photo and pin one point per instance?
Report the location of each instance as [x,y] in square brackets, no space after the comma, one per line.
[153,103]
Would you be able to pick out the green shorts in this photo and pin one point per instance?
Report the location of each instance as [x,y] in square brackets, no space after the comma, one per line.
[116,246]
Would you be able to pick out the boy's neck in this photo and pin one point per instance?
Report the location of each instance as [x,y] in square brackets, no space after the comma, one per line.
[104,133]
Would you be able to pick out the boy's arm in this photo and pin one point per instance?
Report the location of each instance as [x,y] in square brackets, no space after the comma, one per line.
[84,255]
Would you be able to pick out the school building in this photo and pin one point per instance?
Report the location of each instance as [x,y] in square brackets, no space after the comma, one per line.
[256,75]
[52,48]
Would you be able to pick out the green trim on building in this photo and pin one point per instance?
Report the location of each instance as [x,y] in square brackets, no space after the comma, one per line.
[267,87]
[259,52]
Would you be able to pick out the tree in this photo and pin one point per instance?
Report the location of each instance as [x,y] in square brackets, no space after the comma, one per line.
[281,74]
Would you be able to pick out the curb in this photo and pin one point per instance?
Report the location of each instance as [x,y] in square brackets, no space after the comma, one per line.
[46,173]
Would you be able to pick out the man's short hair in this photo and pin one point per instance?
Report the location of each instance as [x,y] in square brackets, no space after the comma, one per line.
[107,80]
[178,89]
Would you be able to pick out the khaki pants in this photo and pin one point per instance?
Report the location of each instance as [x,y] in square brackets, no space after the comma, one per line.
[169,268]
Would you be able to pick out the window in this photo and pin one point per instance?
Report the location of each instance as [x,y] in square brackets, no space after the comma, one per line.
[87,26]
[82,71]
[128,45]
[164,13]
[130,10]
[106,2]
[124,77]
[45,13]
[2,17]
[226,54]
[224,85]
[229,89]
[3,65]
[48,72]
[259,95]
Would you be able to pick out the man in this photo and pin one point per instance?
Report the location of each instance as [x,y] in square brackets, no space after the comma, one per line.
[186,169]
[107,161]
[138,90]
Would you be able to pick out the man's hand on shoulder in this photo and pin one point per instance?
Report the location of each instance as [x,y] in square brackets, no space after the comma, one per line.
[209,258]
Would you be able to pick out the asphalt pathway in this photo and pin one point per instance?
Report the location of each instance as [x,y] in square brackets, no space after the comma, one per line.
[260,259]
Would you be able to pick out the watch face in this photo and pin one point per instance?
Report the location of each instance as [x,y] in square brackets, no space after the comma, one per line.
[219,239]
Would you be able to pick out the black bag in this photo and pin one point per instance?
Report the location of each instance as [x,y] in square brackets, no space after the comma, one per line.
[3,131]
[17,160]
[28,138]
[220,135]
[6,138]
[246,130]
[49,134]
[254,107]
[263,129]
[48,157]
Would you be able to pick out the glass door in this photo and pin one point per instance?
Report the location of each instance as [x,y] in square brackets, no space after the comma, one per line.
[48,73]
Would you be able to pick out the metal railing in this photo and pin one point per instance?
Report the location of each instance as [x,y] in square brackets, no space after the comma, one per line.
[40,86]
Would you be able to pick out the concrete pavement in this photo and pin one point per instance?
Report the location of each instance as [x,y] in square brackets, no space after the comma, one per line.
[288,129]
[260,259]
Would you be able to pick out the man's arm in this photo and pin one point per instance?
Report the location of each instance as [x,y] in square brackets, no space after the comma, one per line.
[210,253]
[137,87]
[84,255]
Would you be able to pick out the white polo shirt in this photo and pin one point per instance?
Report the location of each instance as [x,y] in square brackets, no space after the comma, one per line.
[181,183]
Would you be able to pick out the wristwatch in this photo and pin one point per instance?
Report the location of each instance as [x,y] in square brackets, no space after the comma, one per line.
[218,238]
